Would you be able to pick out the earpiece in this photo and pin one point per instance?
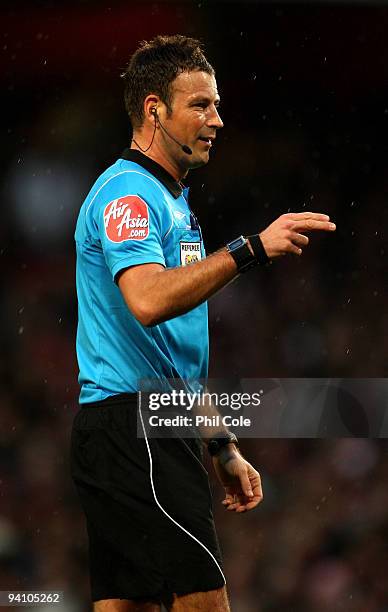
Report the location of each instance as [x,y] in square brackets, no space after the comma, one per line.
[154,111]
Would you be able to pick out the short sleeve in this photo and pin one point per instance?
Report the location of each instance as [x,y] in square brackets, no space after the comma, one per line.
[132,217]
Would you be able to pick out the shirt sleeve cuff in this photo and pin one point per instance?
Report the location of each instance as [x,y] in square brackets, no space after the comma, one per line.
[135,261]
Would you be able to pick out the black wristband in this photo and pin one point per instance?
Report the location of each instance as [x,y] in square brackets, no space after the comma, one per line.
[220,440]
[258,249]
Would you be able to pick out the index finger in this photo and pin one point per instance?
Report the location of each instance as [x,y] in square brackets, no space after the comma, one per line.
[249,505]
[308,215]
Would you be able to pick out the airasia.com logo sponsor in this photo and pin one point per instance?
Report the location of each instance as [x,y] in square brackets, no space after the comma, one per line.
[126,219]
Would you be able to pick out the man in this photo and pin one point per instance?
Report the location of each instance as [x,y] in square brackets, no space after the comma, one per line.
[142,281]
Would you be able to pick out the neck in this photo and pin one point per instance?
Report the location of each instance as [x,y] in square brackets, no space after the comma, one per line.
[158,154]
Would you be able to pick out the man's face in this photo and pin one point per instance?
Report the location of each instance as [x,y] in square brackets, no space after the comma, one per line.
[194,119]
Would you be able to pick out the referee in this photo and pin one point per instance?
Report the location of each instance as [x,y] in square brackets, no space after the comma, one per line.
[143,279]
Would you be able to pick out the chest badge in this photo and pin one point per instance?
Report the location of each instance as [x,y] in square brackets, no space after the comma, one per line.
[190,252]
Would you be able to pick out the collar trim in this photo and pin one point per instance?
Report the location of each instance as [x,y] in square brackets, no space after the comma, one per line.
[154,168]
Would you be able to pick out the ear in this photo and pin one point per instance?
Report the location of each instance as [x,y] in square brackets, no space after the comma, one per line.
[150,105]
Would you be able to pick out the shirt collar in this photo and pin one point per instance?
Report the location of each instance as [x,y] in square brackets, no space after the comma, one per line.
[174,187]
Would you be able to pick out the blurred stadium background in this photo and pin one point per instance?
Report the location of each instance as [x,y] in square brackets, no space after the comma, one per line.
[305,103]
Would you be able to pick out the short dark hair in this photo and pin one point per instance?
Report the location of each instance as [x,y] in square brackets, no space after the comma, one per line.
[154,66]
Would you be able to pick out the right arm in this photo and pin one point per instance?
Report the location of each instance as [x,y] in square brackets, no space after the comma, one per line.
[155,294]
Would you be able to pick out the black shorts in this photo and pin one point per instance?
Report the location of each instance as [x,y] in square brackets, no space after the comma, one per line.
[147,539]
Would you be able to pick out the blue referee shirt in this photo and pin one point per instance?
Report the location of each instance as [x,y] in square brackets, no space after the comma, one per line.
[135,213]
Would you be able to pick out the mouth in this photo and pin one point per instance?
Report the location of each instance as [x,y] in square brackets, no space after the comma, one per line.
[208,141]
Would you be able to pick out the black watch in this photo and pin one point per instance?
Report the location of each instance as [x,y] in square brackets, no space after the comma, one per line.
[242,254]
[219,441]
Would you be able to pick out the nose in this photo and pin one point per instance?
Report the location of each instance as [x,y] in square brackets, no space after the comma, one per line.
[215,120]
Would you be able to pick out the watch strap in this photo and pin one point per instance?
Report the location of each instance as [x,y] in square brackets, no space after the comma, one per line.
[219,441]
[242,254]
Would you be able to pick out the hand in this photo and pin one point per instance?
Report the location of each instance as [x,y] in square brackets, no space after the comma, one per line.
[241,481]
[283,235]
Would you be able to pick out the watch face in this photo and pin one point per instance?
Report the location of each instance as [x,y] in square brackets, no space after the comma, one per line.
[238,242]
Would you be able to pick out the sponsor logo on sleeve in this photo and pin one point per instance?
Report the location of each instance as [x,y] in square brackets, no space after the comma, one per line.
[126,218]
[190,252]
